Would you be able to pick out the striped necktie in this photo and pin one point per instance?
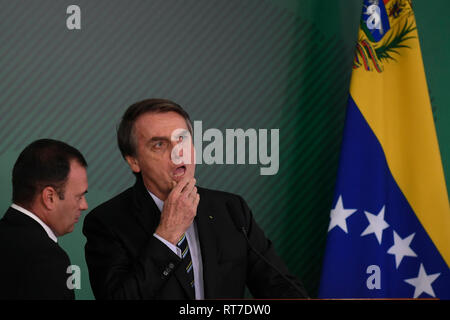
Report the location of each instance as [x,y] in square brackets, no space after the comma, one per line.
[186,260]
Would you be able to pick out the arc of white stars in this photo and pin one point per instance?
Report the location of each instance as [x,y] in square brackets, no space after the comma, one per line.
[339,215]
[423,282]
[376,225]
[401,248]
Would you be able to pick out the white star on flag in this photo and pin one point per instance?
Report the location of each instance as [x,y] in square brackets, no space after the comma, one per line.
[376,225]
[339,215]
[401,248]
[423,282]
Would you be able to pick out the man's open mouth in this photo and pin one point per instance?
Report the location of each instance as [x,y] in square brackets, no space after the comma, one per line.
[179,171]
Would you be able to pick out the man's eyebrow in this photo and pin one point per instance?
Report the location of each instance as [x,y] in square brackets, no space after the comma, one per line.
[158,139]
[83,193]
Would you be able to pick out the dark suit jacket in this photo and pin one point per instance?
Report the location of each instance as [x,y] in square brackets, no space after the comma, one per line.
[32,265]
[126,261]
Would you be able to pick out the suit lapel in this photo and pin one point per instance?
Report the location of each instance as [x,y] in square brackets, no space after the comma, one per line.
[148,215]
[144,208]
[208,245]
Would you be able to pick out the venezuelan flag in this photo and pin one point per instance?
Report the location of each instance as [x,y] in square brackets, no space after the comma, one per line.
[389,231]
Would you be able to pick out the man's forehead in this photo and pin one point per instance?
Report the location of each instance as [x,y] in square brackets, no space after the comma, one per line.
[159,124]
[77,174]
[76,167]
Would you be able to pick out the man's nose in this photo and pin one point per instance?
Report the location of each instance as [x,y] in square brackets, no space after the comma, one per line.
[84,205]
[178,152]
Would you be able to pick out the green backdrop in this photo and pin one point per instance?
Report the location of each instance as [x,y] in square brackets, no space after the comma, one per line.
[232,64]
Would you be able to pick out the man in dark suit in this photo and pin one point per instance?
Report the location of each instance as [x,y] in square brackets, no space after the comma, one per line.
[166,238]
[49,185]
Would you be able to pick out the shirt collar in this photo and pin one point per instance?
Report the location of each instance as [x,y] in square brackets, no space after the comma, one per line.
[49,231]
[158,201]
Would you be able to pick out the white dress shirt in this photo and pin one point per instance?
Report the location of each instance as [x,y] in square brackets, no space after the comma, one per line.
[49,231]
[194,248]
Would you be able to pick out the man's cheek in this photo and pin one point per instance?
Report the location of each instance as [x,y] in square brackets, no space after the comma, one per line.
[191,170]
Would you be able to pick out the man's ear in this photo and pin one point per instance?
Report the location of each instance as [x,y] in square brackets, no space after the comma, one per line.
[48,197]
[133,163]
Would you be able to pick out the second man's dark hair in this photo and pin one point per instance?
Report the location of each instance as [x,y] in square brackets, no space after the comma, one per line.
[43,163]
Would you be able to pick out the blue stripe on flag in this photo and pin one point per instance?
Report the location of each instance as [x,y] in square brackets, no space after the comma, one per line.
[356,265]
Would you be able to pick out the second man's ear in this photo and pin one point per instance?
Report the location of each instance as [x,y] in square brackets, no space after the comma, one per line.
[48,197]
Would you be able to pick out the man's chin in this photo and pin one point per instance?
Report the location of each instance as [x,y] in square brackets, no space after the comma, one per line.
[69,229]
[177,179]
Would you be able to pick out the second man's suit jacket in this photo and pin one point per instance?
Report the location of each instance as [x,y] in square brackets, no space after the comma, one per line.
[126,261]
[32,266]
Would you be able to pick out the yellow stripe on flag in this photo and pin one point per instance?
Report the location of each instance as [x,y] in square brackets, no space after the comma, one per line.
[396,105]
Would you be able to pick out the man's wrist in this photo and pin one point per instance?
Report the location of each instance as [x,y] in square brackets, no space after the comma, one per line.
[168,244]
[169,237]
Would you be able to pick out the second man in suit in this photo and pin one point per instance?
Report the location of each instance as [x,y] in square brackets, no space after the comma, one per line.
[49,186]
